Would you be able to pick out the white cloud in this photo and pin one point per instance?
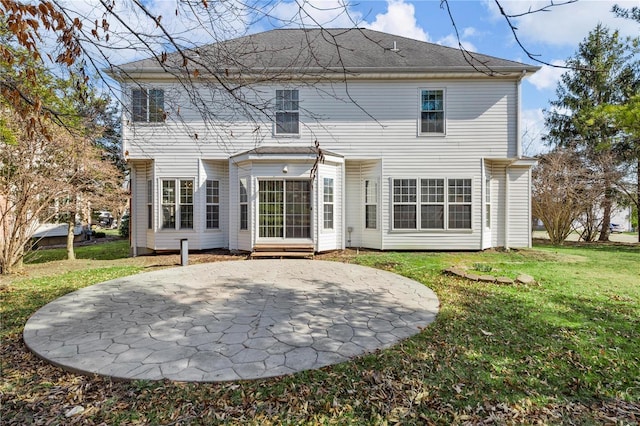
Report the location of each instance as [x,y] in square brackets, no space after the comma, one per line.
[564,25]
[547,77]
[531,131]
[399,19]
[452,41]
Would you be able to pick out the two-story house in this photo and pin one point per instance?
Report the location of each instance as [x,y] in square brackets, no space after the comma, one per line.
[326,138]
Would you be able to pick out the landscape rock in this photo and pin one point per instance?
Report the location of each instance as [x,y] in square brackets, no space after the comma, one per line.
[505,280]
[487,278]
[525,279]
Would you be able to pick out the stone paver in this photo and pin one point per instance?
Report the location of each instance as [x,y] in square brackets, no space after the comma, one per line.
[229,320]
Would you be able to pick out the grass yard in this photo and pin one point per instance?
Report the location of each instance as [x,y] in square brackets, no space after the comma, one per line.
[563,351]
[117,249]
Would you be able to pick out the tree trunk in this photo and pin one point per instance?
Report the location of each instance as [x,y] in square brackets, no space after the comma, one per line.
[606,216]
[71,255]
[638,198]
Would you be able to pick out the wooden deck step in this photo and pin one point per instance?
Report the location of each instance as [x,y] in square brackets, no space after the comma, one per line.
[283,250]
[282,254]
[302,248]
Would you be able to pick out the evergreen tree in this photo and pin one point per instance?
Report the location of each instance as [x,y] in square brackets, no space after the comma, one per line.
[602,72]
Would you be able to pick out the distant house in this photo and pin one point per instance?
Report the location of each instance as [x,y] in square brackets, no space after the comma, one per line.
[420,150]
[49,234]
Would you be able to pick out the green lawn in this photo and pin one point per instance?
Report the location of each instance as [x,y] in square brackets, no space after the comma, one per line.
[563,350]
[105,251]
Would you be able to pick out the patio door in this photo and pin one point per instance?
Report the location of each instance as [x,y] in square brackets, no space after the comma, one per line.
[284,208]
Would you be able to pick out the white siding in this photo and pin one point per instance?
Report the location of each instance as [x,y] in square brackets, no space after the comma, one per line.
[213,238]
[519,220]
[357,172]
[383,122]
[329,239]
[138,214]
[480,123]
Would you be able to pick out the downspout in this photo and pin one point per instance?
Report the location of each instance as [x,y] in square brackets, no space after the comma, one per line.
[343,188]
[518,156]
[132,223]
[483,204]
[518,115]
[506,207]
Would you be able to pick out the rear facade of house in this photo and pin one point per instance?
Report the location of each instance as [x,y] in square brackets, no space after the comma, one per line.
[402,145]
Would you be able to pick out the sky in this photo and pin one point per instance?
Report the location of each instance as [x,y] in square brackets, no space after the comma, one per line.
[552,35]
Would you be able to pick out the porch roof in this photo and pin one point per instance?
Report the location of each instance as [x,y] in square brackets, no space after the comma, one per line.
[287,150]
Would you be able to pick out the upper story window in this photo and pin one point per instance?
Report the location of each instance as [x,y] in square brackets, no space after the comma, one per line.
[287,112]
[432,111]
[147,105]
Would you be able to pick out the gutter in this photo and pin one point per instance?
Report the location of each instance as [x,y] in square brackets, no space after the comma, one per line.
[313,74]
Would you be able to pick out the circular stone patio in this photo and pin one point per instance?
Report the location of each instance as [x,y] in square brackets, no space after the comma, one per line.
[229,320]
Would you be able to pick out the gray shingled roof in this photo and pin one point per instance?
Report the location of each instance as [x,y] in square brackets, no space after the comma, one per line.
[331,50]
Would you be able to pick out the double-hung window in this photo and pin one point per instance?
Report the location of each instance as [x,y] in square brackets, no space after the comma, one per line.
[487,201]
[244,205]
[168,204]
[177,208]
[432,118]
[370,204]
[404,203]
[148,105]
[459,203]
[438,203]
[186,204]
[432,203]
[213,204]
[328,203]
[287,112]
[149,204]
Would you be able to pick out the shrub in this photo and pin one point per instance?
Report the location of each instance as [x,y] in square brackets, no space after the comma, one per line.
[123,230]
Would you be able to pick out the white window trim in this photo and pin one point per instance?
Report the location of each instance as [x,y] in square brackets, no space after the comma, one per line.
[150,215]
[207,204]
[376,193]
[176,204]
[275,117]
[444,113]
[243,203]
[487,203]
[326,203]
[419,203]
[147,121]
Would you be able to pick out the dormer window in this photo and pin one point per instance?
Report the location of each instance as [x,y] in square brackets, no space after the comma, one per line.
[287,112]
[432,112]
[148,105]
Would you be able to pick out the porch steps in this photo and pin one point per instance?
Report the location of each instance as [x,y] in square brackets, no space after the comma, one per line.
[282,251]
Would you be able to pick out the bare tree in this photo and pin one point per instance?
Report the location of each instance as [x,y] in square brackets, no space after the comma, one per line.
[562,192]
[30,181]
